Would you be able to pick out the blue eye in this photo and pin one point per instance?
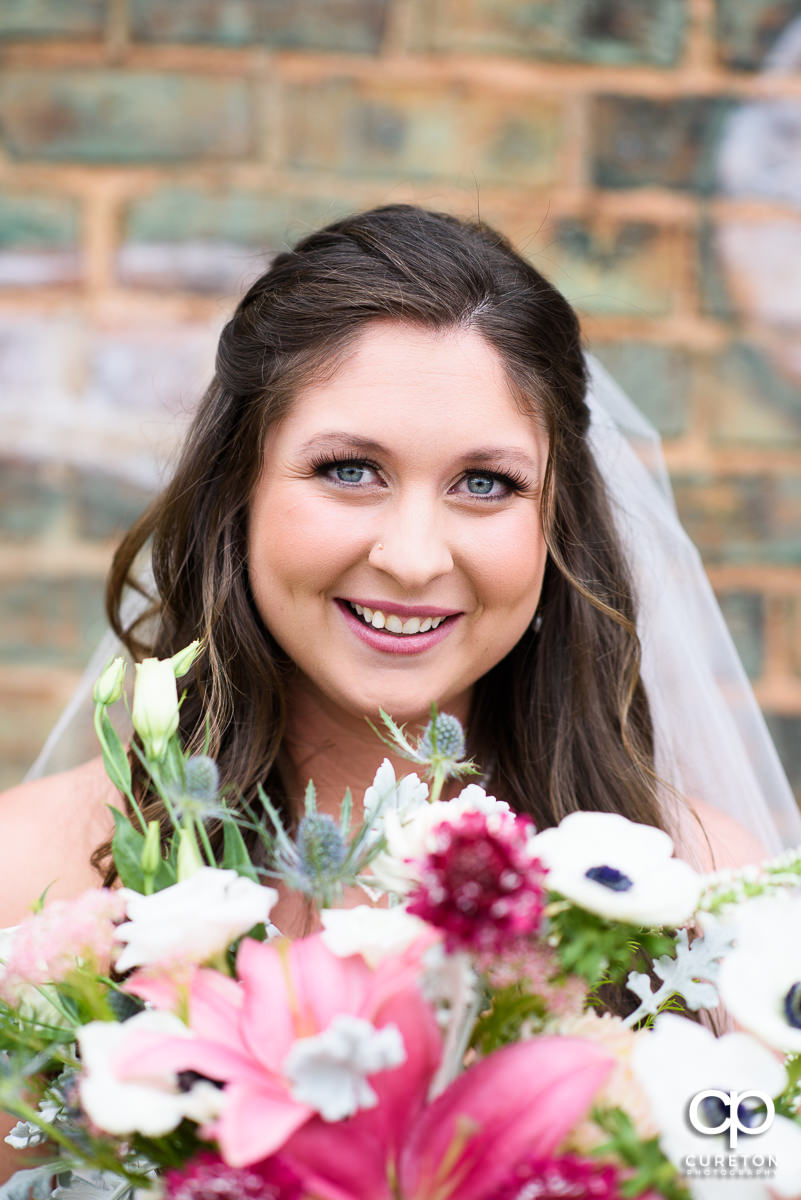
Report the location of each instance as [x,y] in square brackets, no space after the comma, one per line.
[350,472]
[481,485]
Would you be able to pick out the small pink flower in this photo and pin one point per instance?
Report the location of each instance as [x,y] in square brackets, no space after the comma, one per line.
[207,1177]
[66,934]
[563,1178]
[481,884]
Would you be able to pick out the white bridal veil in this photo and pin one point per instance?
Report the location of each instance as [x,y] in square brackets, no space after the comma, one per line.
[712,744]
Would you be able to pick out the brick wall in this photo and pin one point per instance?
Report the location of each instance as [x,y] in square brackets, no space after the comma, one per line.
[646,156]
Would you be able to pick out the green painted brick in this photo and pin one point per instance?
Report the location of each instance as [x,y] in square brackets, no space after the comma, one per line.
[349,25]
[716,297]
[388,129]
[105,116]
[614,32]
[42,501]
[619,268]
[31,221]
[745,616]
[30,501]
[52,18]
[746,31]
[264,219]
[57,622]
[657,378]
[753,403]
[786,733]
[639,142]
[743,519]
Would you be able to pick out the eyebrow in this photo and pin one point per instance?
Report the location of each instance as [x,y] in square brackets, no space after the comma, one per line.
[481,455]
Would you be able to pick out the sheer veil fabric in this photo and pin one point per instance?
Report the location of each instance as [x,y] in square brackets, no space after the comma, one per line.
[712,744]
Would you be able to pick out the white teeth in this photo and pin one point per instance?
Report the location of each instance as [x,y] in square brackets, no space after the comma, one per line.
[394,623]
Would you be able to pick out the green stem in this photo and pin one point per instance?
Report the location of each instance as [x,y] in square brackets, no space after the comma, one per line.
[200,830]
[107,758]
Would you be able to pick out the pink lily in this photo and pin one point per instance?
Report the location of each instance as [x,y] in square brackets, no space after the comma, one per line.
[243,1031]
[517,1103]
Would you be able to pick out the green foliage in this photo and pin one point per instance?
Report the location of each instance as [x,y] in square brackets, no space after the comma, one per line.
[599,950]
[651,1171]
[501,1023]
[787,1104]
[127,846]
[235,852]
[115,758]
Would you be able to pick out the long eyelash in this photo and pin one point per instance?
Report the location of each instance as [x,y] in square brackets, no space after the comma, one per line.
[516,480]
[320,462]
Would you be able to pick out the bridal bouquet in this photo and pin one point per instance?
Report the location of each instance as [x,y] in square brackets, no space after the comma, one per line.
[449,1039]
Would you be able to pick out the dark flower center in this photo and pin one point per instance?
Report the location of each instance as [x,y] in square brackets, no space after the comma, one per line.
[610,877]
[792,1005]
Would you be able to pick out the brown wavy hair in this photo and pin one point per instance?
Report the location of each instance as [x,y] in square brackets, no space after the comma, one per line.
[564,717]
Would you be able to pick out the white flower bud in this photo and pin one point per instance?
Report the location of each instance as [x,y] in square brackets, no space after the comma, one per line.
[108,687]
[155,705]
[182,661]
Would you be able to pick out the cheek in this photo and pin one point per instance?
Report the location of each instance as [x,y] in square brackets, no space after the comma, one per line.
[509,563]
[295,542]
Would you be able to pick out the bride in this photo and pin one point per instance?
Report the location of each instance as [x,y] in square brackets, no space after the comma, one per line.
[394,492]
[398,490]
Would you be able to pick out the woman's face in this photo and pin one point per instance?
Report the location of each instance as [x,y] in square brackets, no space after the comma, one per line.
[395,548]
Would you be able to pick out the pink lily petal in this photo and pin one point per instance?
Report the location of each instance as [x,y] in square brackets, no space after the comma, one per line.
[521,1100]
[266,1024]
[351,1158]
[331,985]
[156,1054]
[255,1122]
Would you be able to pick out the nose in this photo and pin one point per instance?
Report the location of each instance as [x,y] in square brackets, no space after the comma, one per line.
[413,547]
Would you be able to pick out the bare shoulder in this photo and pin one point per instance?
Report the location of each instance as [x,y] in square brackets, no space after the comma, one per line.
[48,830]
[721,841]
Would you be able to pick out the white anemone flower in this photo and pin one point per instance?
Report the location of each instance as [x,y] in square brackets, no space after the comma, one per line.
[409,841]
[680,1059]
[329,1070]
[386,794]
[191,921]
[150,1104]
[374,933]
[760,980]
[618,869]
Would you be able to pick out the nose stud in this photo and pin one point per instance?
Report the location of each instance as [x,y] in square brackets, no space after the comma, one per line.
[379,545]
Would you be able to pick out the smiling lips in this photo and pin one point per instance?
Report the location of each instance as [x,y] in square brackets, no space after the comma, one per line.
[400,629]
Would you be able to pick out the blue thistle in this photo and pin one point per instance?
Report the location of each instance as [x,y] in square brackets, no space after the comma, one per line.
[443,737]
[201,777]
[321,848]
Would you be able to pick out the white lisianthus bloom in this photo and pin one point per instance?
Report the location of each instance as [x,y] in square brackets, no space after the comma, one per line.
[108,688]
[329,1070]
[678,1060]
[374,933]
[760,980]
[193,920]
[408,842]
[155,705]
[152,1104]
[388,794]
[618,869]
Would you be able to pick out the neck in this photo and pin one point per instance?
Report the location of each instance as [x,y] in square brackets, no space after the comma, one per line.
[337,750]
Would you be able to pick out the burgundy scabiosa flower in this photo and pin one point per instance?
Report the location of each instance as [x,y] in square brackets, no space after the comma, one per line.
[481,883]
[567,1177]
[207,1177]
